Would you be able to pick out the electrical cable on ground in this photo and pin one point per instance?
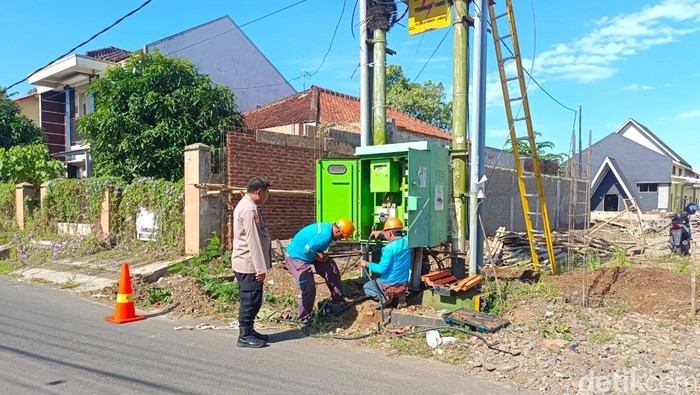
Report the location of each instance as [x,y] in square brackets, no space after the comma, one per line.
[94,36]
[456,328]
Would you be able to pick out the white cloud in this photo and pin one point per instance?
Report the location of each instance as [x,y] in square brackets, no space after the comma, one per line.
[592,57]
[497,133]
[689,114]
[636,88]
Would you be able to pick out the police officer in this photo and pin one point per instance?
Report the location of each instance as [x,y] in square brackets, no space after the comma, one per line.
[251,259]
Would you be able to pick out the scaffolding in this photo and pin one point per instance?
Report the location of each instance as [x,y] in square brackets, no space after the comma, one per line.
[578,171]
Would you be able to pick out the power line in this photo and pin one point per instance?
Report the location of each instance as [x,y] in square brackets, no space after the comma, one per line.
[415,54]
[335,31]
[237,27]
[130,13]
[433,54]
[527,72]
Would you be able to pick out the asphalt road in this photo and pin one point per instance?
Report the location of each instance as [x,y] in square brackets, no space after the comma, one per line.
[53,342]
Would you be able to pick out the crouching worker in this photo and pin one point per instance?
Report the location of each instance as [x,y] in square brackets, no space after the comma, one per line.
[394,266]
[306,252]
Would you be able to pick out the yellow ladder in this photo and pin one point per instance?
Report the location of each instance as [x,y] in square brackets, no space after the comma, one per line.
[519,123]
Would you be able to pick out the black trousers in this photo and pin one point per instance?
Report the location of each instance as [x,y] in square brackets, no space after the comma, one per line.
[250,295]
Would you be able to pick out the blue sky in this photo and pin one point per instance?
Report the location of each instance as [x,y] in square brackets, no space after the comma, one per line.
[617,59]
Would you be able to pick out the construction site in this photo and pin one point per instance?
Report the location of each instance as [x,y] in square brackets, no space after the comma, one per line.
[523,270]
[514,274]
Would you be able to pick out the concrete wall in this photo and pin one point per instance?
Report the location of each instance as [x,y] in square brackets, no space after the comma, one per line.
[502,205]
[221,50]
[29,107]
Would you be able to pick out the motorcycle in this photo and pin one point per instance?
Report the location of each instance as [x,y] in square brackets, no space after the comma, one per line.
[679,240]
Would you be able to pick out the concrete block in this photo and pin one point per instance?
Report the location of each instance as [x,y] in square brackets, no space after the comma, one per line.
[454,302]
[5,251]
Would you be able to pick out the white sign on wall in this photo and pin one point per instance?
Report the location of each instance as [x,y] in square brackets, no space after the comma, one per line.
[146,226]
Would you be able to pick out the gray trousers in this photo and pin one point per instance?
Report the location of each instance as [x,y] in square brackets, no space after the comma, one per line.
[306,285]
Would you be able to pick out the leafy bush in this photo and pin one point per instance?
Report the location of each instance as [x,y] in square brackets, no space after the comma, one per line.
[28,163]
[148,110]
[166,199]
[15,128]
[7,206]
[79,200]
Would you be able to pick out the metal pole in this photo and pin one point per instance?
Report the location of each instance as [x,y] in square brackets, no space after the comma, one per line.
[476,237]
[365,102]
[379,96]
[459,133]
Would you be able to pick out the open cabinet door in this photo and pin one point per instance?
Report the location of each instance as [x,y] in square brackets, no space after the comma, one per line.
[418,202]
[337,190]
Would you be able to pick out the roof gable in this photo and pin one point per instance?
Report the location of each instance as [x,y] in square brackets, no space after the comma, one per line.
[640,134]
[610,165]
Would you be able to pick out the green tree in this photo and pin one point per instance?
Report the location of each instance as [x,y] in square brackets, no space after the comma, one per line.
[148,110]
[15,128]
[28,163]
[540,146]
[423,101]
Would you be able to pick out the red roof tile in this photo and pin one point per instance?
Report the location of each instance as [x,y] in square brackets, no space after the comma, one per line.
[326,106]
[109,54]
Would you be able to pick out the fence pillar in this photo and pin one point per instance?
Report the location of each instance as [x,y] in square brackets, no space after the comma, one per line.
[22,192]
[197,170]
[42,193]
[104,212]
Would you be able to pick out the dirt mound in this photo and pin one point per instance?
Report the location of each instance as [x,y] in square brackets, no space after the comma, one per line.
[186,297]
[646,290]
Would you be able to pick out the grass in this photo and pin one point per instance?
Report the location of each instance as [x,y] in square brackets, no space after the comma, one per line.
[581,316]
[619,308]
[6,267]
[157,295]
[601,337]
[70,284]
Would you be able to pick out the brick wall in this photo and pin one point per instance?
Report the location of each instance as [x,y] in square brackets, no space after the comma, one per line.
[289,163]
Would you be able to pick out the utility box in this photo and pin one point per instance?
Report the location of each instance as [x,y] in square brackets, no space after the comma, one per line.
[406,180]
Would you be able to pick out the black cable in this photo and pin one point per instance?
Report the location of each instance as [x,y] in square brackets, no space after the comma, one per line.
[238,27]
[132,12]
[433,54]
[456,328]
[335,32]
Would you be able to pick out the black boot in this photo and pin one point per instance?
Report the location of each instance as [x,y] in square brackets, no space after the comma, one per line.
[259,335]
[247,339]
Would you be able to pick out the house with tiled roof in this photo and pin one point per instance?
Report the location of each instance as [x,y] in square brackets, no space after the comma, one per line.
[336,115]
[633,167]
[219,48]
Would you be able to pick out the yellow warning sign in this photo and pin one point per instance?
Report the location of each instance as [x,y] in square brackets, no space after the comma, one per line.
[426,15]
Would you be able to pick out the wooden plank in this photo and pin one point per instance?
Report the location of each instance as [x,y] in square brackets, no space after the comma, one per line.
[444,281]
[435,275]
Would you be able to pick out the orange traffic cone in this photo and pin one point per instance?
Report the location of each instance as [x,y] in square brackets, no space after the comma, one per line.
[124,311]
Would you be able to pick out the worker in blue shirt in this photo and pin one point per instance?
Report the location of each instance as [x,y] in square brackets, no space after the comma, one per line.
[306,251]
[394,266]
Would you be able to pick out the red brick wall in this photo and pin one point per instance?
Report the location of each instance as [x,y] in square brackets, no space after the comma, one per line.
[287,167]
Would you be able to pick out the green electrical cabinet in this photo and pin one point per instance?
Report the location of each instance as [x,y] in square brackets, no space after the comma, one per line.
[406,180]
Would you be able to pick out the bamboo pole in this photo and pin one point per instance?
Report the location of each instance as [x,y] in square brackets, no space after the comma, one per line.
[278,192]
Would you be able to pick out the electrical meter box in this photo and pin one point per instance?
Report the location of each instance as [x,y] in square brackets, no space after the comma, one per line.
[406,180]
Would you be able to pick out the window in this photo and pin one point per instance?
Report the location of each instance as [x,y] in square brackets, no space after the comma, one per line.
[648,187]
[337,169]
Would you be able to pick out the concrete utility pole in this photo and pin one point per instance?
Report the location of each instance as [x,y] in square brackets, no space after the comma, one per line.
[379,96]
[478,135]
[365,92]
[459,132]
